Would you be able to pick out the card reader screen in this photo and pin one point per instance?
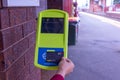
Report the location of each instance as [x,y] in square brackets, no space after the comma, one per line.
[52,25]
[54,57]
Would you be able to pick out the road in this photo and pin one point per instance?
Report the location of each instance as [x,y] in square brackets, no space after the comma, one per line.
[97,52]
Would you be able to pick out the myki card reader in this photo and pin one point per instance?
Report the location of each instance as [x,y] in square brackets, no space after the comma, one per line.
[51,39]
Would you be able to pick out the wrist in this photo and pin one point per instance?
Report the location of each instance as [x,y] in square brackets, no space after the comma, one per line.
[62,73]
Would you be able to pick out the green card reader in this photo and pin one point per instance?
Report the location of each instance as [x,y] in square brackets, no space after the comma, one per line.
[51,39]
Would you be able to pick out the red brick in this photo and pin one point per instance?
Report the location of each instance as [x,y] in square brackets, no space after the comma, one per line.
[17,15]
[30,78]
[28,28]
[1,42]
[20,48]
[2,62]
[14,71]
[29,55]
[2,76]
[9,57]
[32,65]
[27,70]
[4,18]
[36,74]
[31,13]
[32,39]
[29,59]
[11,35]
[0,3]
[14,60]
[23,75]
[17,33]
[35,25]
[8,38]
[0,21]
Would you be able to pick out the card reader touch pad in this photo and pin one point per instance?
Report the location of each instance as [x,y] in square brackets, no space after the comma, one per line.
[54,57]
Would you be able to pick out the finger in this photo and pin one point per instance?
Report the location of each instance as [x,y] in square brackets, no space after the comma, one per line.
[63,59]
[68,60]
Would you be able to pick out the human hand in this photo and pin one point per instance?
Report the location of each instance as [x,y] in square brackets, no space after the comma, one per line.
[65,67]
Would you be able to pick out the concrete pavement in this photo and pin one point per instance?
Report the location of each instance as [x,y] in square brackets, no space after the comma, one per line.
[110,14]
[97,52]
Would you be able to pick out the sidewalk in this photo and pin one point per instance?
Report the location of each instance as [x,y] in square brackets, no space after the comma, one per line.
[110,14]
[114,15]
[97,53]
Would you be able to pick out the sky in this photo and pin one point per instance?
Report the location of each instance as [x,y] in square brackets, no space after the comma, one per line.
[83,2]
[80,2]
[109,2]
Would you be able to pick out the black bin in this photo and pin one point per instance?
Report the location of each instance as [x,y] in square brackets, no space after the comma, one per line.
[72,33]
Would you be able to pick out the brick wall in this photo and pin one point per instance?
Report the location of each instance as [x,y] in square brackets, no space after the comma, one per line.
[17,38]
[95,7]
[0,3]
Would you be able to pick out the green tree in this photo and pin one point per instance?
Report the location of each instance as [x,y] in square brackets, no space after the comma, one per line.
[116,1]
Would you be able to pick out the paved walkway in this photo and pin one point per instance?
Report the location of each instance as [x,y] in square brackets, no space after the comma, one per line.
[111,14]
[97,52]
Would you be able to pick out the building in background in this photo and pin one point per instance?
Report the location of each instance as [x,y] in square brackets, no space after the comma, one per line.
[113,5]
[97,5]
[83,5]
